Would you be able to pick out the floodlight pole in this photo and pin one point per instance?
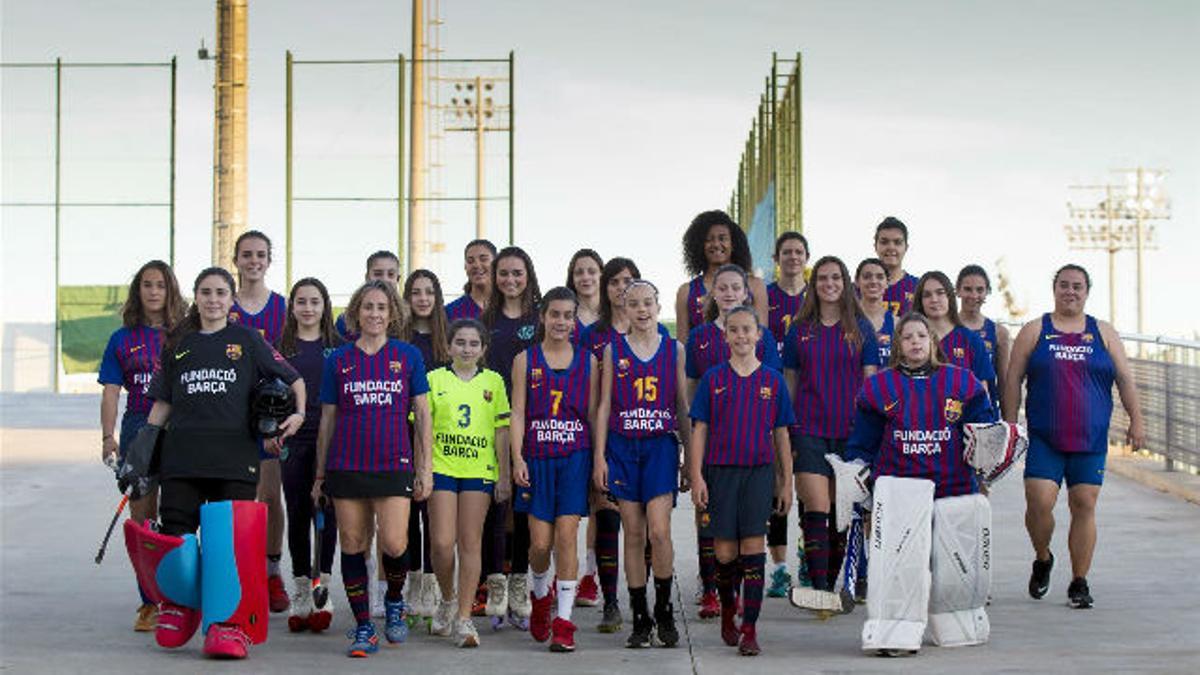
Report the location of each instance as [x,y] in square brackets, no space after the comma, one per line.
[57,219]
[287,173]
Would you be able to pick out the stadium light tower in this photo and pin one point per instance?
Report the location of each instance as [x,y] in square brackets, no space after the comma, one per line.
[474,109]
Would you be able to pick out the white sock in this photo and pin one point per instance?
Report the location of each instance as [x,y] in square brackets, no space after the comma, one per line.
[566,598]
[541,583]
[591,563]
[272,567]
[781,566]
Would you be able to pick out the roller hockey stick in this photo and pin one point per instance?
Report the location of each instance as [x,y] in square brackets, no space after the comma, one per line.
[320,594]
[111,525]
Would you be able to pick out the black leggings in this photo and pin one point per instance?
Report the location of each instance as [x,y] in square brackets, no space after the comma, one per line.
[499,545]
[181,498]
[418,536]
[298,472]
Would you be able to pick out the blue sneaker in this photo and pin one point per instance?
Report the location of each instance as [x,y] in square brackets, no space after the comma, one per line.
[781,583]
[365,641]
[395,612]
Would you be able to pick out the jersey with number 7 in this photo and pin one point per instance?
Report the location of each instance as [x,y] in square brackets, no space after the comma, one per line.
[556,405]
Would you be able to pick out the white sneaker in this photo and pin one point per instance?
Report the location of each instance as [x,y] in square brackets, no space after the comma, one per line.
[301,608]
[414,595]
[498,597]
[444,618]
[518,595]
[465,634]
[431,595]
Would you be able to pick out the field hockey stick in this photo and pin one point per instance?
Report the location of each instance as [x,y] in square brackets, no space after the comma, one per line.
[112,524]
[320,594]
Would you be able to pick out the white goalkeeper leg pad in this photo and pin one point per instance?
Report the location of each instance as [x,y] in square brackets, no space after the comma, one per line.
[962,575]
[898,566]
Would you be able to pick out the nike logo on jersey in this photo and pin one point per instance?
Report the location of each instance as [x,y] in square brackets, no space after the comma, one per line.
[347,369]
[704,345]
[136,348]
[1053,336]
[887,407]
[180,355]
[719,390]
[772,307]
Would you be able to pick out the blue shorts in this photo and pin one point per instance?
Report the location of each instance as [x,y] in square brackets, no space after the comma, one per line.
[456,485]
[131,424]
[558,486]
[1043,461]
[640,469]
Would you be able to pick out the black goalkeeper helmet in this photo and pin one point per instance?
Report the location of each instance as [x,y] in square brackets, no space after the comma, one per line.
[271,403]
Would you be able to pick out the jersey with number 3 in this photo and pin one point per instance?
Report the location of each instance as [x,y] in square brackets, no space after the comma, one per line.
[556,405]
[643,392]
[466,414]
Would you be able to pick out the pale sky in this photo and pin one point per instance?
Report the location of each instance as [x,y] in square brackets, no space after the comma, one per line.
[966,120]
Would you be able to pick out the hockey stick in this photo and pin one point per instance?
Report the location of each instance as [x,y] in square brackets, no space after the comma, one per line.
[320,594]
[111,525]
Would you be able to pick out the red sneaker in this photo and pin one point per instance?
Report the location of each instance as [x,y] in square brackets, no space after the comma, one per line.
[278,594]
[729,627]
[709,605]
[587,594]
[564,636]
[176,625]
[226,641]
[749,643]
[479,606]
[539,620]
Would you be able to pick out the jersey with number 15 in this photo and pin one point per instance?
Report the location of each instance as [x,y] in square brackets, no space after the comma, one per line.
[643,392]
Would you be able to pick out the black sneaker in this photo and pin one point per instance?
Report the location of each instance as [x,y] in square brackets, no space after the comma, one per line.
[1039,579]
[639,637]
[610,621]
[1078,594]
[668,634]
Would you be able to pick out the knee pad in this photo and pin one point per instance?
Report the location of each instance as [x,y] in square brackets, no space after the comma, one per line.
[167,567]
[961,567]
[233,539]
[898,564]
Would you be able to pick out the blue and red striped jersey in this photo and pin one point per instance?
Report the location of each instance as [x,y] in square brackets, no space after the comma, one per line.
[741,413]
[911,426]
[696,296]
[130,360]
[595,339]
[643,392]
[464,307]
[899,296]
[339,325]
[964,349]
[884,337]
[556,405]
[269,320]
[1068,384]
[829,373]
[373,393]
[781,310]
[706,347]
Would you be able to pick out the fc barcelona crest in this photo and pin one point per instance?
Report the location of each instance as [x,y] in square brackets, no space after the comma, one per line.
[623,364]
[1087,337]
[959,353]
[487,395]
[395,366]
[234,317]
[953,410]
[885,339]
[535,374]
[233,351]
[765,393]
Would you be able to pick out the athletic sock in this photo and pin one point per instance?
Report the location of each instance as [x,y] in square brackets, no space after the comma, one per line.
[708,563]
[541,583]
[662,594]
[608,533]
[354,578]
[753,566]
[566,598]
[591,563]
[837,549]
[273,564]
[637,601]
[726,571]
[396,570]
[816,548]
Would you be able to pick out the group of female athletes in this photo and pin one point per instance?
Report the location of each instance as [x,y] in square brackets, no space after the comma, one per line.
[464,442]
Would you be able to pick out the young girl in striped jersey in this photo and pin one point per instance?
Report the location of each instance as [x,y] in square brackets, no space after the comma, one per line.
[973,288]
[554,404]
[637,456]
[870,278]
[427,332]
[737,459]
[708,347]
[891,245]
[583,279]
[829,351]
[784,296]
[960,345]
[478,255]
[710,242]
[152,307]
[470,468]
[366,460]
[257,306]
[308,338]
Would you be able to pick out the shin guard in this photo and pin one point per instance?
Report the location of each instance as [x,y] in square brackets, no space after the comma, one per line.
[898,564]
[961,568]
[233,539]
[167,567]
